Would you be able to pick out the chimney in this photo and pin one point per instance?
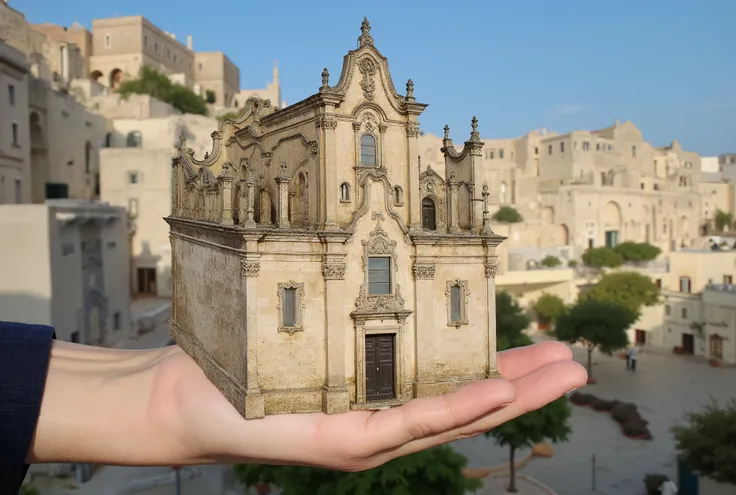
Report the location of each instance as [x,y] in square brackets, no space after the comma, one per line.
[189,41]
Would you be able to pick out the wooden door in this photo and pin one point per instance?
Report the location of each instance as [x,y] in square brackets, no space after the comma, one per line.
[641,337]
[716,347]
[688,343]
[379,367]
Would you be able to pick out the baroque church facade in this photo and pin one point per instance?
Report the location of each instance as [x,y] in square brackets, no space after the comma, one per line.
[318,266]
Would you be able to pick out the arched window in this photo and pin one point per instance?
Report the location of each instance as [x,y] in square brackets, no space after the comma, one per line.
[429,214]
[345,192]
[398,196]
[368,150]
[134,140]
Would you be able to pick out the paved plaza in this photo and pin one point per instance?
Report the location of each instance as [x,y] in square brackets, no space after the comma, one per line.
[664,387]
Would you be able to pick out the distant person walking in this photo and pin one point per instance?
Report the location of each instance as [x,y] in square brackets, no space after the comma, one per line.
[633,352]
[628,358]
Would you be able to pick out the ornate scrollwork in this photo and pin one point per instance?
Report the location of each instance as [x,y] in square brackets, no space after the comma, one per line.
[326,123]
[412,129]
[491,267]
[250,268]
[367,67]
[267,156]
[313,147]
[423,271]
[334,271]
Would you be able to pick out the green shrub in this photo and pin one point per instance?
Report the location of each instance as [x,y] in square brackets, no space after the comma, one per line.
[551,261]
[507,214]
[602,257]
[637,251]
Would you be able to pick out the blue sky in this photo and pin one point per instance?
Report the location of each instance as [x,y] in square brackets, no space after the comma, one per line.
[667,65]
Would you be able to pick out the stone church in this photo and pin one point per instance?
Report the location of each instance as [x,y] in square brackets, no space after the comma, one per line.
[318,266]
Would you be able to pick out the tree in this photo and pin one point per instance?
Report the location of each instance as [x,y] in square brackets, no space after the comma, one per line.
[602,257]
[507,214]
[723,220]
[595,324]
[637,251]
[228,116]
[153,83]
[209,96]
[510,323]
[572,264]
[707,443]
[630,290]
[28,490]
[548,308]
[551,422]
[551,261]
[435,471]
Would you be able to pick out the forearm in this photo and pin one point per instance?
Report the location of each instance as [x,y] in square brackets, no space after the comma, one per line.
[94,406]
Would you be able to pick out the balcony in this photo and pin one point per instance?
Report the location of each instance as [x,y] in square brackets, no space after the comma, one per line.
[720,295]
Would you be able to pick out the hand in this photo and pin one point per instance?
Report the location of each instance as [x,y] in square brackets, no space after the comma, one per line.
[195,424]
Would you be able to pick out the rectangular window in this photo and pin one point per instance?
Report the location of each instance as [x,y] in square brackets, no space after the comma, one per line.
[685,285]
[15,138]
[536,150]
[586,146]
[727,279]
[133,208]
[549,149]
[116,321]
[18,191]
[11,95]
[667,310]
[491,154]
[379,275]
[659,283]
[455,303]
[633,151]
[611,238]
[133,178]
[562,147]
[500,154]
[597,146]
[145,41]
[642,186]
[684,313]
[289,308]
[107,41]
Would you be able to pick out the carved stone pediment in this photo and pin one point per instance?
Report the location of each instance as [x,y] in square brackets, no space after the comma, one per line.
[431,182]
[383,306]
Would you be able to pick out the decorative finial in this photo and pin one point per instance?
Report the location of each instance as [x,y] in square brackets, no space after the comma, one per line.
[447,131]
[474,136]
[325,79]
[365,34]
[409,89]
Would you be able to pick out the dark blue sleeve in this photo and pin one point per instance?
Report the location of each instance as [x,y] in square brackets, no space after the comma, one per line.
[24,362]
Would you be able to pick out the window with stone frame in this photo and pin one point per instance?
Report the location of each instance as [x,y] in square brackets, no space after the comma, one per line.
[429,214]
[398,196]
[345,192]
[379,275]
[291,306]
[368,150]
[457,294]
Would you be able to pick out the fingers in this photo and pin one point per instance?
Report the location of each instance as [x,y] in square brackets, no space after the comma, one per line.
[429,416]
[533,391]
[520,361]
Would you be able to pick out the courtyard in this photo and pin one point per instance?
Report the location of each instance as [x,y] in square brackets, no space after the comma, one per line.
[664,387]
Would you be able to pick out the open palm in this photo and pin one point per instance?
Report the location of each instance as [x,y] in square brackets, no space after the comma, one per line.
[185,406]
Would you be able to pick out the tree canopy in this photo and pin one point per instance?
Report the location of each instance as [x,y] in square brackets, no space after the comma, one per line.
[507,214]
[549,307]
[510,323]
[637,251]
[708,441]
[630,290]
[435,471]
[723,220]
[595,324]
[551,261]
[153,83]
[602,257]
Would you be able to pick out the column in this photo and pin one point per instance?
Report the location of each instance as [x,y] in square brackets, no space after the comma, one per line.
[413,194]
[487,230]
[250,268]
[491,268]
[453,186]
[250,220]
[335,396]
[328,126]
[282,206]
[425,329]
[226,192]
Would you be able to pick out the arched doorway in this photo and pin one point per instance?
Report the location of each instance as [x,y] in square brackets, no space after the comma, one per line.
[612,223]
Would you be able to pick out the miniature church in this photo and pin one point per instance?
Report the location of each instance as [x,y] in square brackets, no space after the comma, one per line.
[318,266]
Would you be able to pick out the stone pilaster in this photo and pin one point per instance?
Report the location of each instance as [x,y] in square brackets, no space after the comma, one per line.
[426,333]
[242,201]
[335,396]
[250,268]
[328,127]
[282,205]
[226,179]
[250,204]
[414,195]
[453,224]
[491,268]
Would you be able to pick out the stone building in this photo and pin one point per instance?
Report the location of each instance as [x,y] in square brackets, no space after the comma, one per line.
[317,265]
[66,267]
